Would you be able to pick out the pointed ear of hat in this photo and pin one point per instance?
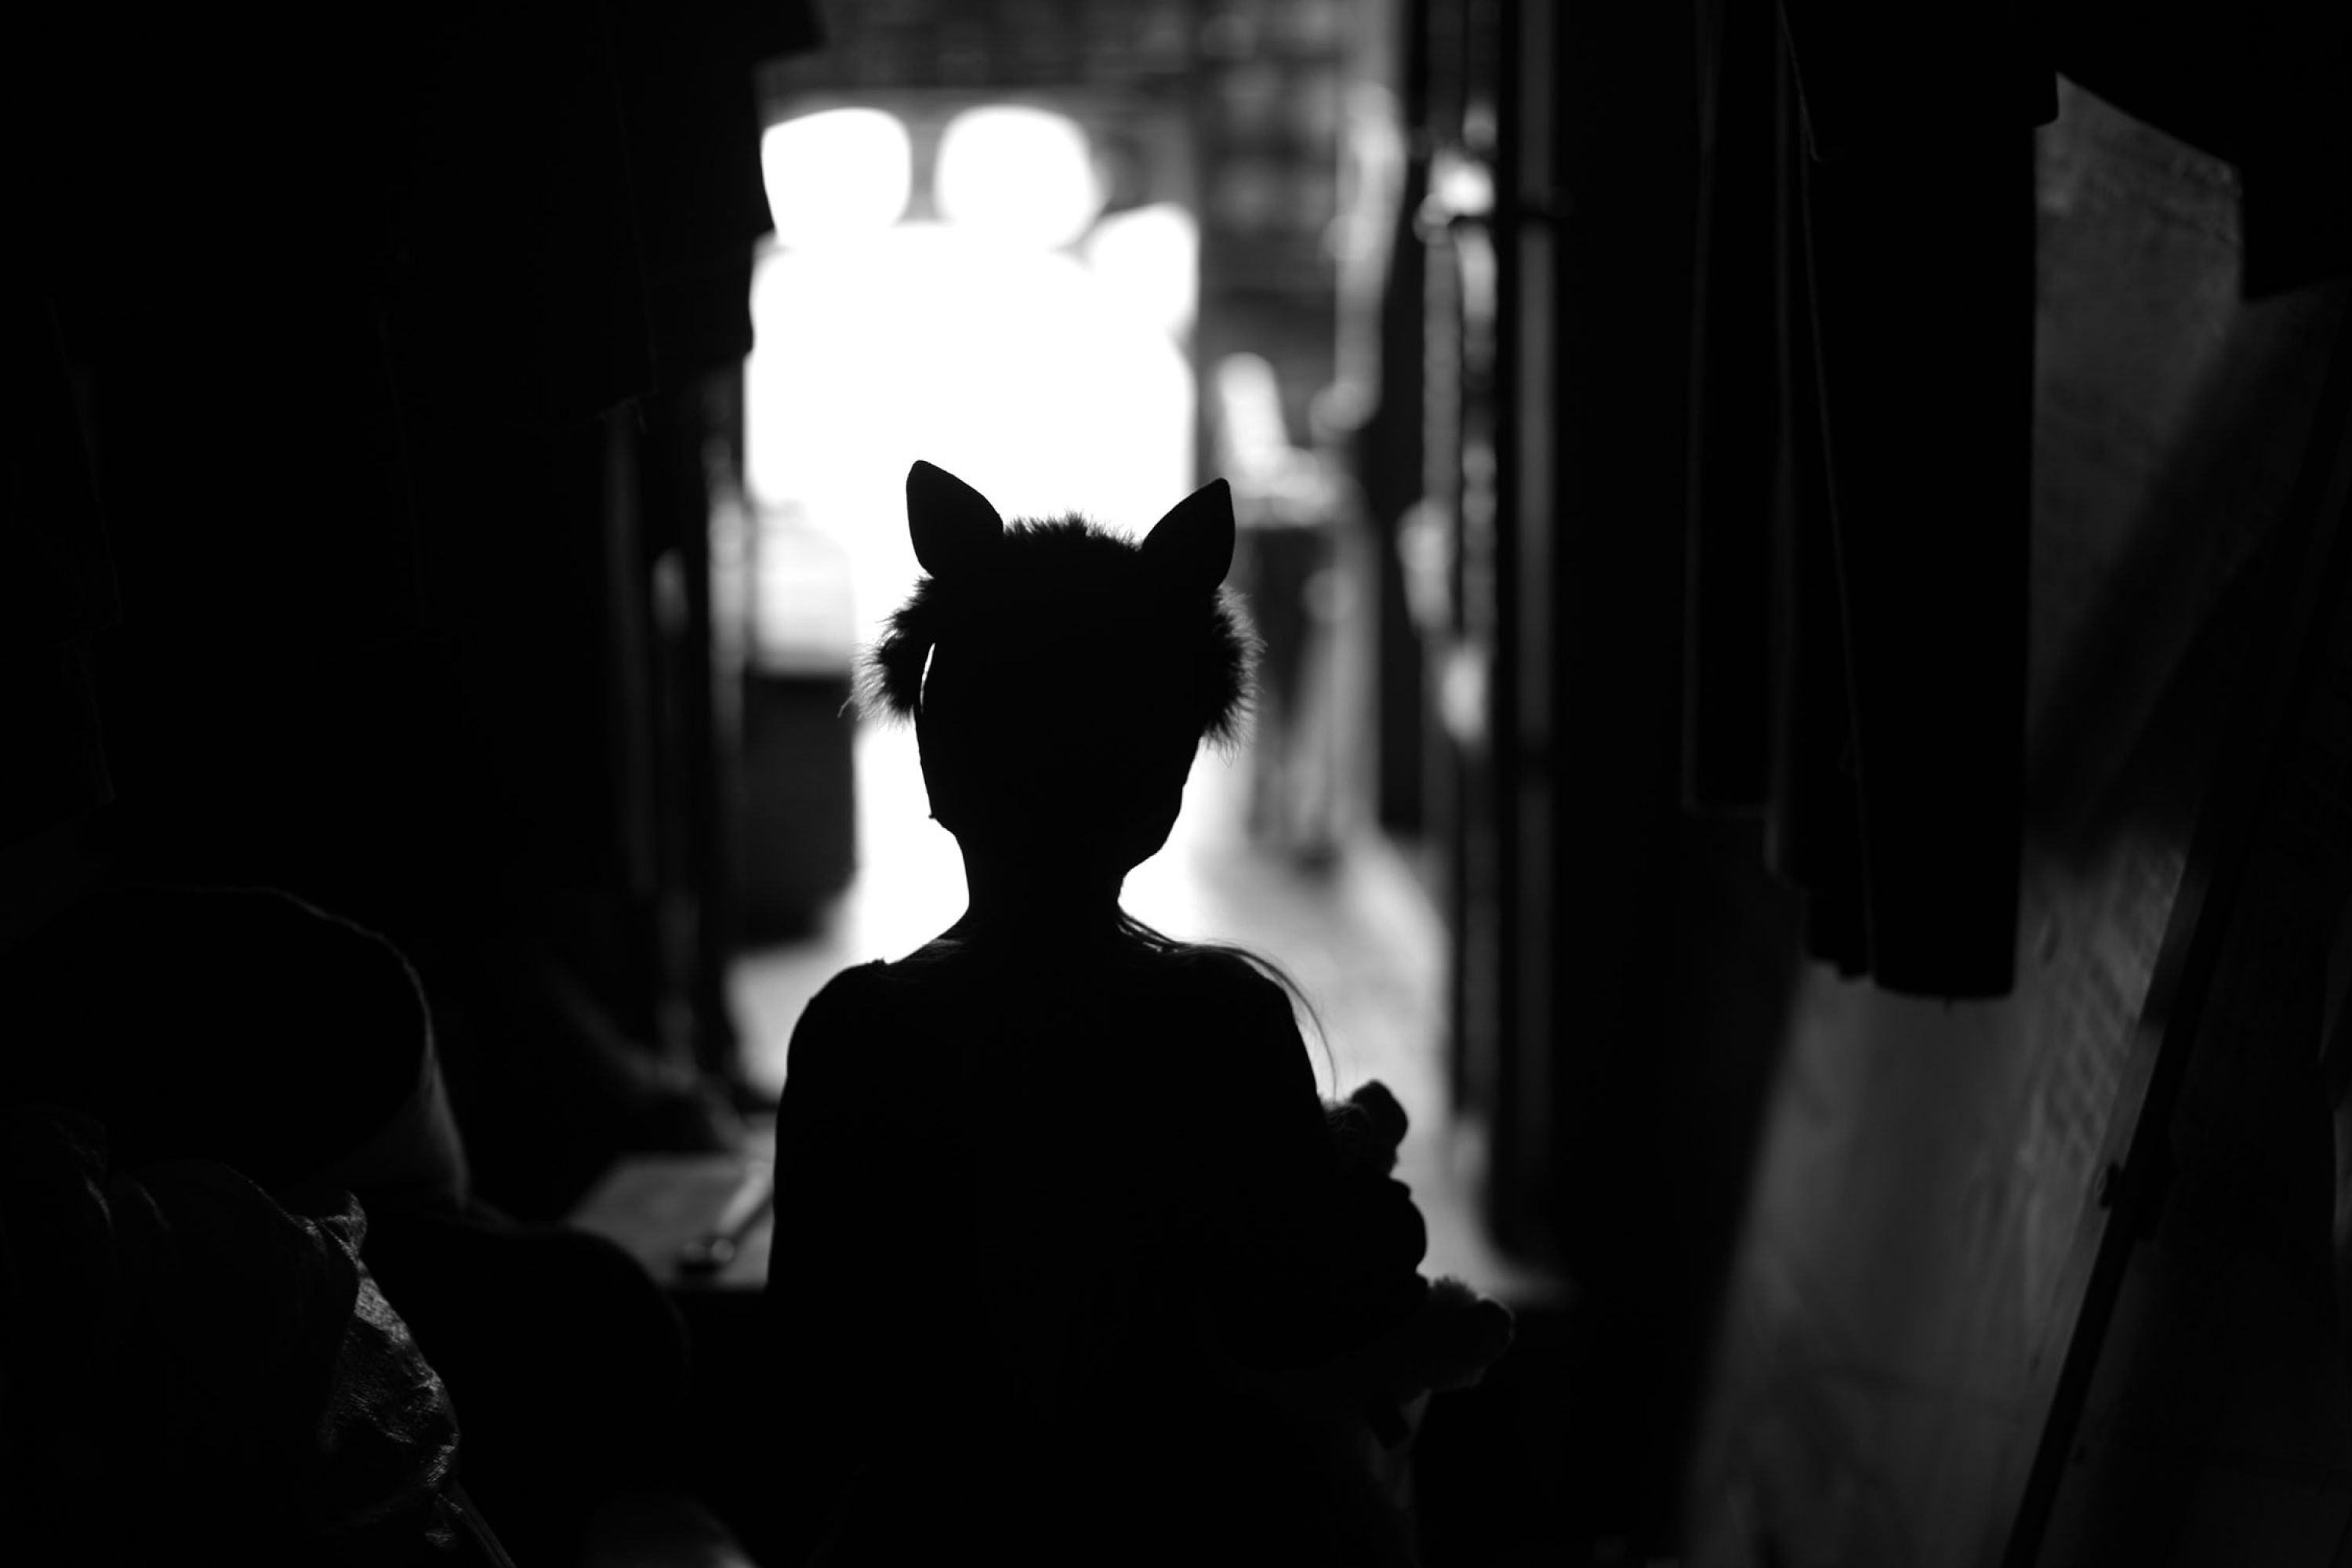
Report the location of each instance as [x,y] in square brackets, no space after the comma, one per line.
[1190,549]
[953,525]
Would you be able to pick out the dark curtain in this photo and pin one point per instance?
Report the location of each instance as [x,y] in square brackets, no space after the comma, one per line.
[345,307]
[1860,503]
[56,584]
[694,137]
[1861,462]
[1859,508]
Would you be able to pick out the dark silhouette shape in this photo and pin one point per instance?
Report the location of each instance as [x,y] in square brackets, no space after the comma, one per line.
[1060,678]
[321,1288]
[1071,1261]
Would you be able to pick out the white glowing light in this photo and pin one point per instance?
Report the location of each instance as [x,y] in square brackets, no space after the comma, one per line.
[1150,258]
[1023,176]
[837,175]
[1017,370]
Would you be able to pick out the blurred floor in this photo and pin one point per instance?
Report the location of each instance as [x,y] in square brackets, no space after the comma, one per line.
[1360,936]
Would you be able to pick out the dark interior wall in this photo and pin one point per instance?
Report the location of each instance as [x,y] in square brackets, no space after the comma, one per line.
[1912,1224]
[1621,966]
[2214,1419]
[1647,952]
[2206,1414]
[361,359]
[1931,1194]
[1609,414]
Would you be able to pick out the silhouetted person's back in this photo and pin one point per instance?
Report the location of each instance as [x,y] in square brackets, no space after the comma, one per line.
[1001,1183]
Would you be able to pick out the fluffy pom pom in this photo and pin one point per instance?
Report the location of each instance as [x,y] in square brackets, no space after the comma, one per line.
[1463,1333]
[1366,1128]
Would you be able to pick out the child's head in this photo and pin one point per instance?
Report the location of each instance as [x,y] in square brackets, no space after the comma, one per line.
[1060,676]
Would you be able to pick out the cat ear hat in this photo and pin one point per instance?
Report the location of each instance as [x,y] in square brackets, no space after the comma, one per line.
[1060,676]
[1049,588]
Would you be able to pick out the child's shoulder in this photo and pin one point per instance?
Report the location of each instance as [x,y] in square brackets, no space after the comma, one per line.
[1207,977]
[856,987]
[1173,980]
[1209,964]
[844,1007]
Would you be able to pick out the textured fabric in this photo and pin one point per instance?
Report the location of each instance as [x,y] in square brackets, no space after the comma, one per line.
[197,1373]
[565,1359]
[242,1034]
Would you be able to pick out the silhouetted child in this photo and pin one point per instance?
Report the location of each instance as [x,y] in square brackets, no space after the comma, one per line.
[1071,1262]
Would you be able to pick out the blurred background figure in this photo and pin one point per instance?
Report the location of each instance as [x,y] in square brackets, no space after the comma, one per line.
[1293,507]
